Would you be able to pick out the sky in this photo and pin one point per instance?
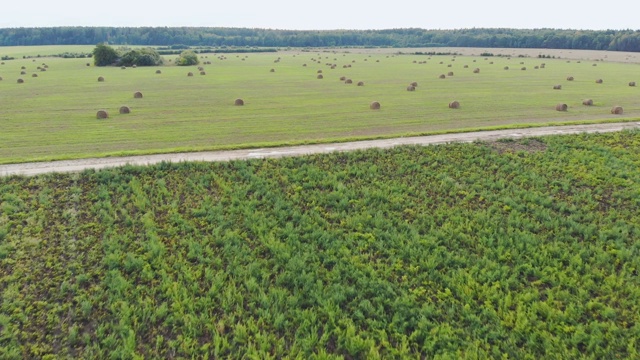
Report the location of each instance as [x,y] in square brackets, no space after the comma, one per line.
[325,14]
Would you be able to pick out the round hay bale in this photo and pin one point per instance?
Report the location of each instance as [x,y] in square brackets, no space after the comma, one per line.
[45,65]
[203,73]
[414,61]
[476,70]
[377,60]
[348,81]
[442,76]
[158,71]
[411,88]
[414,84]
[599,81]
[490,62]
[137,95]
[200,68]
[2,63]
[523,68]
[20,81]
[594,65]
[0,78]
[569,78]
[124,110]
[374,105]
[561,107]
[189,73]
[617,110]
[466,66]
[506,68]
[134,66]
[536,67]
[272,70]
[450,73]
[23,73]
[557,87]
[633,83]
[349,65]
[304,65]
[43,69]
[123,67]
[238,102]
[360,83]
[102,114]
[587,102]
[319,71]
[34,75]
[449,65]
[88,64]
[320,76]
[343,78]
[23,68]
[100,79]
[454,105]
[542,66]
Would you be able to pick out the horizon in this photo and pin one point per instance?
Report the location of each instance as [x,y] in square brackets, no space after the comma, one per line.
[328,15]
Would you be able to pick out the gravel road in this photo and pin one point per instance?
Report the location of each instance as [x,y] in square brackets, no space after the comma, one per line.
[30,169]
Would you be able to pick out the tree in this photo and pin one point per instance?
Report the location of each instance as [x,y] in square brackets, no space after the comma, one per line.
[187,57]
[140,57]
[104,55]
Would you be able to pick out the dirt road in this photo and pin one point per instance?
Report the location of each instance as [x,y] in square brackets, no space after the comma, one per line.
[30,169]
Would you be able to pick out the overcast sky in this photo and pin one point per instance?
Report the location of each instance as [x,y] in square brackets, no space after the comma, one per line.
[324,14]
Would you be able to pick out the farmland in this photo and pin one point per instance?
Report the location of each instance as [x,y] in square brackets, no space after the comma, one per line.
[53,115]
[517,248]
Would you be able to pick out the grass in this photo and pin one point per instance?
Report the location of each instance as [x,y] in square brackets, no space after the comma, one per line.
[517,249]
[53,116]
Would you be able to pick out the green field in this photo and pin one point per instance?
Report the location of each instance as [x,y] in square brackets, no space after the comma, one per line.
[53,116]
[522,249]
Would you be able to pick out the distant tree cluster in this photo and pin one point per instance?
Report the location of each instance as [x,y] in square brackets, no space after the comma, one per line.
[179,38]
[105,55]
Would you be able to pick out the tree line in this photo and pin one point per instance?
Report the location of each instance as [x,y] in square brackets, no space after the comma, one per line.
[614,40]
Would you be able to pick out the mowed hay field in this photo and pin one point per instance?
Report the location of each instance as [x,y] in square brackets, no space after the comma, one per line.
[53,115]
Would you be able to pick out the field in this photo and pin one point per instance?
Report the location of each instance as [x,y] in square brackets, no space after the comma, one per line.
[520,249]
[53,116]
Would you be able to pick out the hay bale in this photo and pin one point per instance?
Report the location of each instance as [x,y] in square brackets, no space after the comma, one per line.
[23,73]
[599,81]
[203,73]
[506,68]
[0,78]
[88,64]
[319,71]
[449,65]
[476,70]
[360,83]
[454,105]
[102,114]
[320,76]
[411,88]
[238,102]
[523,68]
[374,105]
[617,110]
[557,87]
[100,79]
[34,75]
[43,69]
[561,107]
[594,65]
[124,110]
[466,66]
[414,84]
[491,63]
[20,81]
[542,66]
[189,73]
[442,76]
[304,65]
[272,70]
[633,83]
[536,67]
[158,72]
[134,66]
[343,78]
[23,68]
[587,102]
[450,73]
[137,95]
[569,78]
[348,81]
[123,67]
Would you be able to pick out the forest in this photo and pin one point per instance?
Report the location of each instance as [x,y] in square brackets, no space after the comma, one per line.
[614,40]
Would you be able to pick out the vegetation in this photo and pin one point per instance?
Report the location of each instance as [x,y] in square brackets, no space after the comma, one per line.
[53,116]
[617,40]
[104,55]
[187,58]
[520,249]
